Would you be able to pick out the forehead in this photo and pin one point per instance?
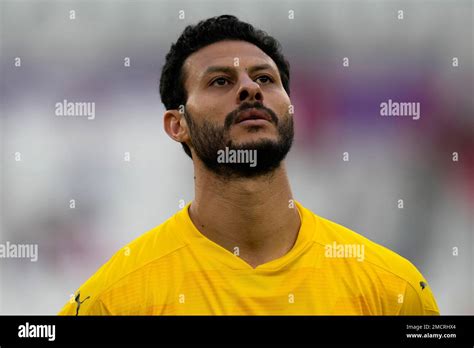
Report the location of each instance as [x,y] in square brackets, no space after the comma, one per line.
[223,53]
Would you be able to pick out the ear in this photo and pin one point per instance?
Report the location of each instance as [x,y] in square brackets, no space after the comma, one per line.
[175,126]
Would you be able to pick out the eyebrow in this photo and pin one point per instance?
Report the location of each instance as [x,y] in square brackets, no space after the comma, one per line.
[231,70]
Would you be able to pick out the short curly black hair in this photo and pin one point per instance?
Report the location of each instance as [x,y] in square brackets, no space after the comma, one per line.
[206,32]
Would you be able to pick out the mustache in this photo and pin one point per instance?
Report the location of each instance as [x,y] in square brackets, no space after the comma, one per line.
[232,116]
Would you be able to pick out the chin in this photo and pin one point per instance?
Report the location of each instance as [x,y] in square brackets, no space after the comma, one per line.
[254,134]
[252,140]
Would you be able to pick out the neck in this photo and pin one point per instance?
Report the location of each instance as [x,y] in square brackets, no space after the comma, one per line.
[253,215]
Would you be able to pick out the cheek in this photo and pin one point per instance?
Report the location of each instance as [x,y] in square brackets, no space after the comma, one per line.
[210,108]
[282,104]
[205,110]
[287,101]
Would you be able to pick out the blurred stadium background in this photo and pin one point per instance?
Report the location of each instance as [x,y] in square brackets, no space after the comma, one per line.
[336,110]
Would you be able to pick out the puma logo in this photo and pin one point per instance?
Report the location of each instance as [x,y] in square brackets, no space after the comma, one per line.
[79,302]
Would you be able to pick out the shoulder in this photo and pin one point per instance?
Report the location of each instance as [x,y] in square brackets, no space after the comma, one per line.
[385,266]
[374,254]
[128,265]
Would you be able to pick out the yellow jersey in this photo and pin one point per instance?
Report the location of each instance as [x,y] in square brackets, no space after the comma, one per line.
[173,269]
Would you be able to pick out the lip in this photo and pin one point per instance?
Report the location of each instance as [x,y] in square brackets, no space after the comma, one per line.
[253,122]
[253,116]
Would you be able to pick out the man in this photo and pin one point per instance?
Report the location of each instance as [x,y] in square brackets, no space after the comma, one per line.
[244,246]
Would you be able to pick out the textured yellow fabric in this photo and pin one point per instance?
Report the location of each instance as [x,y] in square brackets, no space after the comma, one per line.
[175,270]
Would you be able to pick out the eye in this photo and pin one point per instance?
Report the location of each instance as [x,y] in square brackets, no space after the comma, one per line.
[220,81]
[264,79]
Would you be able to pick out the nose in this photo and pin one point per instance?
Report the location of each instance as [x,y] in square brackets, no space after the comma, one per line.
[249,91]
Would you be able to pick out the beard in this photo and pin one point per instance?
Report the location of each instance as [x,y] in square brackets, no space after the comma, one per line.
[208,139]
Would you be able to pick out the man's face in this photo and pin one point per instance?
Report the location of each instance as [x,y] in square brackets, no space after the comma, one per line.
[236,100]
